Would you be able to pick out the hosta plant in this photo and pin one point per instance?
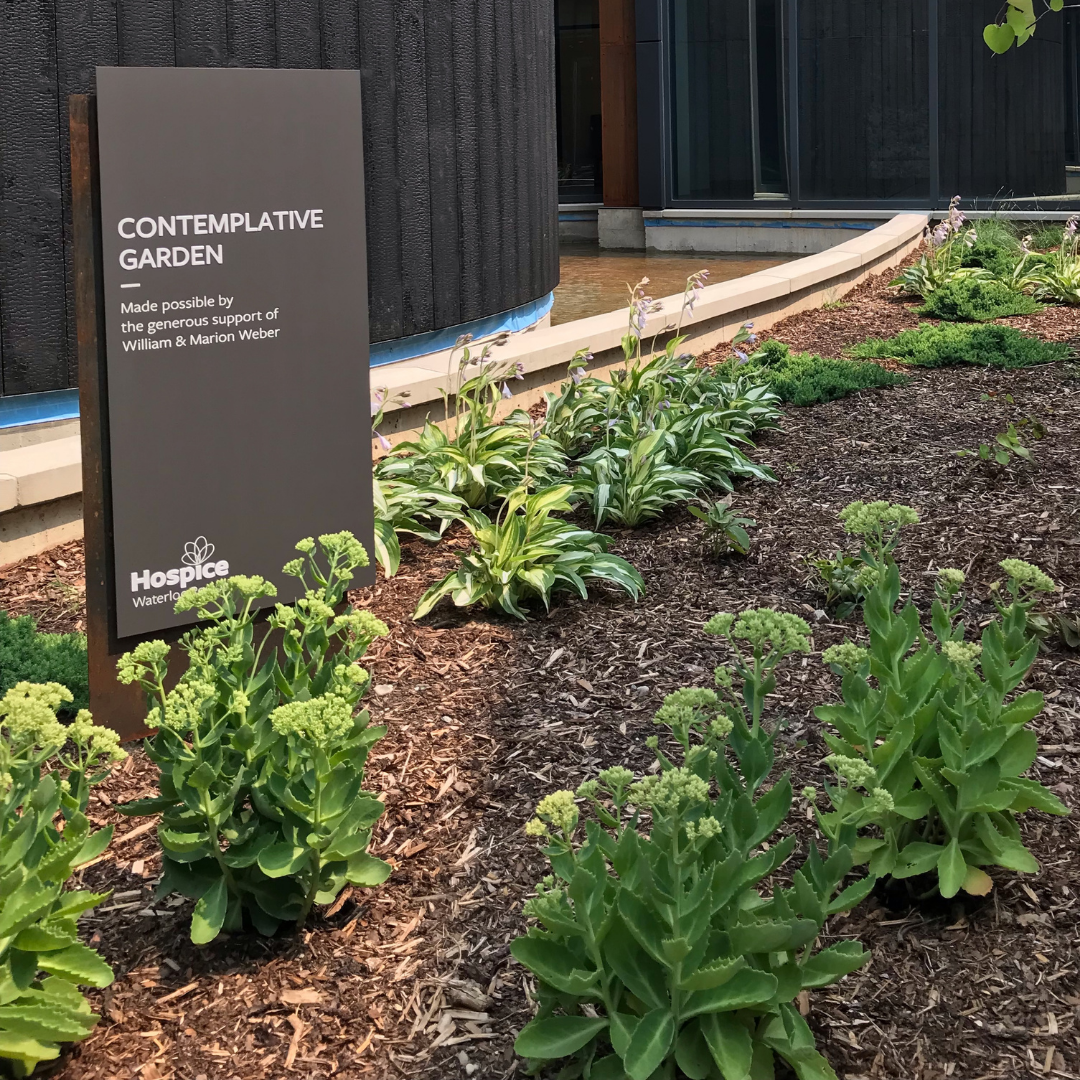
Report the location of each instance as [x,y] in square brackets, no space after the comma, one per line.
[260,749]
[574,416]
[942,261]
[665,943]
[633,481]
[1059,277]
[46,772]
[931,744]
[477,458]
[404,508]
[526,552]
[724,530]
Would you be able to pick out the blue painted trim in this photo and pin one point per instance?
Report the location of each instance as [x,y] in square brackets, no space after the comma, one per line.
[520,318]
[579,215]
[744,223]
[23,409]
[39,408]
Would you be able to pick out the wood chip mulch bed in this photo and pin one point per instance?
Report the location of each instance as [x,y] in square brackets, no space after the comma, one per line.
[414,979]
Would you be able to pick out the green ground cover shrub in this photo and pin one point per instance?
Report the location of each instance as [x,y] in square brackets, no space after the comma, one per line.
[805,379]
[27,655]
[976,300]
[946,345]
[665,945]
[46,772]
[1046,237]
[261,757]
[527,552]
[931,751]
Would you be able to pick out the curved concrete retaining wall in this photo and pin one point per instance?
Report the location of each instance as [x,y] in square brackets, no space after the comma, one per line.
[40,484]
[763,298]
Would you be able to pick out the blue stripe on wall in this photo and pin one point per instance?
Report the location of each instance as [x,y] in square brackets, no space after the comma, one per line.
[39,408]
[520,318]
[64,404]
[746,223]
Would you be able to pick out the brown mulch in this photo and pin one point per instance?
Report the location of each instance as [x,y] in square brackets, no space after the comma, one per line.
[50,586]
[414,979]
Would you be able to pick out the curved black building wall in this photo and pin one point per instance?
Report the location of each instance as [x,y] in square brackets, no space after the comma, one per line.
[459,144]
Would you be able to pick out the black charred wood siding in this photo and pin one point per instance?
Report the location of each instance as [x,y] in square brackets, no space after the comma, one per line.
[459,143]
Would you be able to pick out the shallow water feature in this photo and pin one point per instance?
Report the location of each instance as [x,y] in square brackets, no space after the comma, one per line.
[594,282]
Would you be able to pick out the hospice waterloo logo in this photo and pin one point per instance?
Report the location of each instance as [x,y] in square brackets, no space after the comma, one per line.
[197,566]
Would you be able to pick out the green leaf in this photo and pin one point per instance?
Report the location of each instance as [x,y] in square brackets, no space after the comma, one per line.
[554,963]
[715,974]
[50,1022]
[729,1043]
[692,1052]
[209,914]
[27,904]
[1018,753]
[747,989]
[38,938]
[202,778]
[827,966]
[28,1052]
[641,974]
[77,964]
[95,844]
[649,1044]
[280,860]
[952,870]
[366,870]
[557,1036]
[852,896]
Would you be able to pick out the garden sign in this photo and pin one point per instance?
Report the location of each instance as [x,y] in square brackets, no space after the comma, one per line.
[221,284]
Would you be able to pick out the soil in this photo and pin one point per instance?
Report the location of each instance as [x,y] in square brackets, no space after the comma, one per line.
[414,979]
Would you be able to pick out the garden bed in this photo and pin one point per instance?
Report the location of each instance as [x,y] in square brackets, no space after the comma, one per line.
[487,715]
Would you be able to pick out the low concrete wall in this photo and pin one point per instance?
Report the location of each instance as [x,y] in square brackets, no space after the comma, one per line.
[40,478]
[763,298]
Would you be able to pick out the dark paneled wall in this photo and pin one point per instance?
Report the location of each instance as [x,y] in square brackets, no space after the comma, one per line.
[459,142]
[864,111]
[1002,117]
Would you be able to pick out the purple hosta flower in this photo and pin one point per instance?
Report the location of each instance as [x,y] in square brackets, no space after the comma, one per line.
[752,339]
[577,375]
[384,442]
[1025,245]
[377,399]
[665,404]
[748,326]
[940,234]
[611,424]
[519,370]
[1070,227]
[741,355]
[506,391]
[462,341]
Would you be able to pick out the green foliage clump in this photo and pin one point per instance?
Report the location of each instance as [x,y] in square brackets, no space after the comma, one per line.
[260,754]
[527,552]
[990,254]
[656,949]
[806,379]
[976,299]
[724,530]
[980,346]
[46,772]
[27,655]
[1046,237]
[844,579]
[930,750]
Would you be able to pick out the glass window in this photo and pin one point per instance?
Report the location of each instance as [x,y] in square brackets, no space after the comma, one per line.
[577,92]
[727,67]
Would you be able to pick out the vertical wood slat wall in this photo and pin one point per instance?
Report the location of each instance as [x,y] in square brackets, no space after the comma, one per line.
[459,144]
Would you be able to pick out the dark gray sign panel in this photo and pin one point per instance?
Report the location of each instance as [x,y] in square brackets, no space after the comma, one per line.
[235,285]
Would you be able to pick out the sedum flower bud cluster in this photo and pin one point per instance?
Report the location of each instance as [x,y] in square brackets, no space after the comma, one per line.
[325,720]
[1027,576]
[764,629]
[848,656]
[855,771]
[868,519]
[28,712]
[962,653]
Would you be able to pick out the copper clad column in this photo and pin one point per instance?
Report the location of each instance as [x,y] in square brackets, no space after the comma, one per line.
[620,222]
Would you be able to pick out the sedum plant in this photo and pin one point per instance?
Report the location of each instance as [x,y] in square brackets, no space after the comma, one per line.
[46,772]
[931,746]
[845,579]
[526,552]
[657,949]
[261,750]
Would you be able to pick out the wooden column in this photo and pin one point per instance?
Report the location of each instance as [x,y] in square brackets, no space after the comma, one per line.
[618,98]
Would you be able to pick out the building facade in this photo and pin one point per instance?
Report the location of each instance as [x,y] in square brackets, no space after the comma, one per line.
[811,105]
